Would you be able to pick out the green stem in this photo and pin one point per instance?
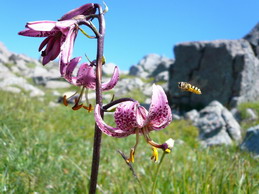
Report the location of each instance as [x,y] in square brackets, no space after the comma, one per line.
[156,174]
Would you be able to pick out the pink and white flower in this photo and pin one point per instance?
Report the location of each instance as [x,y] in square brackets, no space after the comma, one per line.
[132,118]
[85,78]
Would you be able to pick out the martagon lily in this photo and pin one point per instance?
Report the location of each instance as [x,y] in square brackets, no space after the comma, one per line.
[132,118]
[60,35]
[85,78]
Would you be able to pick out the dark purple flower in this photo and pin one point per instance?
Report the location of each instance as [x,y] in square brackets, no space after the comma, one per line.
[60,35]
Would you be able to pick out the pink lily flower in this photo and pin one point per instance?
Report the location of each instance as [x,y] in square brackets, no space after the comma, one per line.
[86,78]
[132,118]
[60,35]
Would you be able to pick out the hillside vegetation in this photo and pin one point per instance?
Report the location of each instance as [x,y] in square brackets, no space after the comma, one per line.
[48,150]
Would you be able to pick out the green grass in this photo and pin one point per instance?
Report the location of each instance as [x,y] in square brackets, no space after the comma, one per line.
[49,150]
[31,65]
[242,108]
[9,65]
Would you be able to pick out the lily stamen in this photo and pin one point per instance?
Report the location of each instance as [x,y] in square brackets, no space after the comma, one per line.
[132,150]
[90,108]
[65,100]
[77,100]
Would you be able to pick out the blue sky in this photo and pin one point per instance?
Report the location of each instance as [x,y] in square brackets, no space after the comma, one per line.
[135,28]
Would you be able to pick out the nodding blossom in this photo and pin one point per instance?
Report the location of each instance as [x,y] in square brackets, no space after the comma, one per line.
[85,78]
[60,35]
[132,118]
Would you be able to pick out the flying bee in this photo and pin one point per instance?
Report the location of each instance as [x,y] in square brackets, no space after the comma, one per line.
[188,87]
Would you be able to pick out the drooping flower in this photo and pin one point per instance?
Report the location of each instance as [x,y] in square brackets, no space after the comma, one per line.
[85,78]
[60,35]
[132,118]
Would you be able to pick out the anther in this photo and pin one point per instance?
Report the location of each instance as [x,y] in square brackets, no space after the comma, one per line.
[131,158]
[77,107]
[65,100]
[90,108]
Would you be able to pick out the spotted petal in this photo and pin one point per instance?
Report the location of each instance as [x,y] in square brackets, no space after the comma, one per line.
[159,112]
[33,33]
[126,117]
[108,130]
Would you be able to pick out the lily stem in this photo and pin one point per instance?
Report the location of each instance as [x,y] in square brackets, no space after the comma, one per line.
[156,174]
[98,132]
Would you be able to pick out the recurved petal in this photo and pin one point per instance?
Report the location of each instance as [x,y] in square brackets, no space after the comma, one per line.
[55,49]
[159,112]
[126,116]
[47,53]
[33,33]
[83,10]
[68,69]
[44,42]
[41,25]
[108,130]
[67,43]
[114,80]
[64,26]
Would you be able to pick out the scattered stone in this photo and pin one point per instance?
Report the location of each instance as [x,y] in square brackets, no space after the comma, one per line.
[236,114]
[128,84]
[217,125]
[147,89]
[162,77]
[55,93]
[193,116]
[251,140]
[57,84]
[4,54]
[251,114]
[12,83]
[12,89]
[40,80]
[150,66]
[53,104]
[176,117]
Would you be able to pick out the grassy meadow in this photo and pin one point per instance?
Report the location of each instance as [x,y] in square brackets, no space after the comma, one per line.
[47,149]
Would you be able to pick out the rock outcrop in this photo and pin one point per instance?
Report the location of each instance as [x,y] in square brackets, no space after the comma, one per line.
[251,141]
[216,124]
[253,38]
[225,70]
[17,69]
[152,65]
